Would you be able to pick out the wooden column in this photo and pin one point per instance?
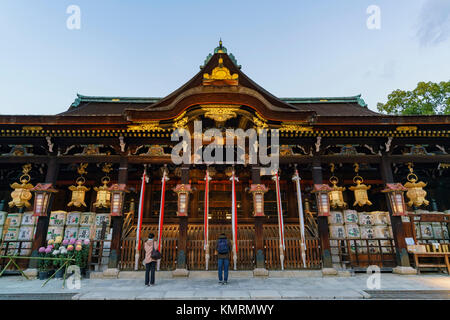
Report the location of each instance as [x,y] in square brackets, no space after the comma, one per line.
[117,222]
[259,226]
[396,221]
[246,199]
[40,236]
[322,222]
[183,227]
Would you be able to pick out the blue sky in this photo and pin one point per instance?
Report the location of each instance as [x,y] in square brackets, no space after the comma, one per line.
[150,48]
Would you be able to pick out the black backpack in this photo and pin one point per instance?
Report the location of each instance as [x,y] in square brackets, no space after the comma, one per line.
[222,246]
[156,255]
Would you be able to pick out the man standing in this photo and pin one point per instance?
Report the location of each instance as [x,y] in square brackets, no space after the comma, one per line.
[223,257]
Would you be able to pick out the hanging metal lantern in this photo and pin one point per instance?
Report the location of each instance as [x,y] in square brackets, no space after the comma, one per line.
[415,193]
[323,199]
[42,191]
[103,199]
[79,191]
[336,193]
[395,192]
[183,191]
[258,191]
[22,194]
[117,192]
[360,190]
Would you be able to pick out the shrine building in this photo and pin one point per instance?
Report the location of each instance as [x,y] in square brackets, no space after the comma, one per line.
[372,186]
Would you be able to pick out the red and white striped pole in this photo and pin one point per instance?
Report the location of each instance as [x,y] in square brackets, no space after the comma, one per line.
[206,222]
[297,179]
[140,214]
[280,218]
[161,212]
[234,218]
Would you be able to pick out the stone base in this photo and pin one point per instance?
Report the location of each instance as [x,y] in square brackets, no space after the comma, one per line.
[344,273]
[260,272]
[31,273]
[404,270]
[177,273]
[96,275]
[111,273]
[329,272]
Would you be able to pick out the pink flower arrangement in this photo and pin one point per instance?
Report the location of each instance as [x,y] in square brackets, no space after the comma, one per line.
[86,242]
[65,242]
[48,250]
[72,241]
[70,247]
[78,248]
[41,249]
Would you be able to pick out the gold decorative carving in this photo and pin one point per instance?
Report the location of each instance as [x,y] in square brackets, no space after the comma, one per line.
[406,128]
[220,112]
[292,126]
[32,128]
[181,123]
[21,194]
[144,126]
[220,76]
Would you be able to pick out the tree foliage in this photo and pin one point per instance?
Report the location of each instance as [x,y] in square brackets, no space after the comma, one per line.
[426,99]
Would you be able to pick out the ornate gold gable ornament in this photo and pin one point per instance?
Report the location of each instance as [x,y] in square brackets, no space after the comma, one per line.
[415,193]
[220,112]
[79,191]
[103,195]
[360,190]
[220,76]
[22,194]
[336,193]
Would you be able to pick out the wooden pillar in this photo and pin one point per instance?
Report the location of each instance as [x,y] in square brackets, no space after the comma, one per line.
[245,199]
[322,222]
[183,227]
[117,222]
[259,226]
[40,236]
[396,221]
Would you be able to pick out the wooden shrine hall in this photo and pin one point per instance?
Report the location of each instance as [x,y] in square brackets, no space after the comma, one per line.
[351,188]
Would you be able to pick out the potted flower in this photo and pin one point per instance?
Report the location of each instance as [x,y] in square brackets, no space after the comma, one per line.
[43,265]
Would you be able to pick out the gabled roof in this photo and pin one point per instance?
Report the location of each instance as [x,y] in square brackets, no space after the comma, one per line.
[247,92]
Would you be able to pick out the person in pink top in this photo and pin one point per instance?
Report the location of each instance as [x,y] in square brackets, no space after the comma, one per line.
[150,264]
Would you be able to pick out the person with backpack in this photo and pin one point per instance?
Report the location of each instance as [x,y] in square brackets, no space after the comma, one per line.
[152,255]
[223,249]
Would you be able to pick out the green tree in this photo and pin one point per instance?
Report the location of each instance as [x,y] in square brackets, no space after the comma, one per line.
[426,99]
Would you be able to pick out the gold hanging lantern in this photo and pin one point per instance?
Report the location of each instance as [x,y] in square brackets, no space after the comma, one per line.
[79,191]
[415,193]
[336,193]
[22,194]
[360,190]
[103,199]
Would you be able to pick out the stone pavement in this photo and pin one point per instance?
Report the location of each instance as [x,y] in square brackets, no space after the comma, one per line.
[239,287]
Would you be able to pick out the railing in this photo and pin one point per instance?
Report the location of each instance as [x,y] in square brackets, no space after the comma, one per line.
[196,255]
[361,253]
[292,254]
[168,253]
[15,248]
[195,247]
